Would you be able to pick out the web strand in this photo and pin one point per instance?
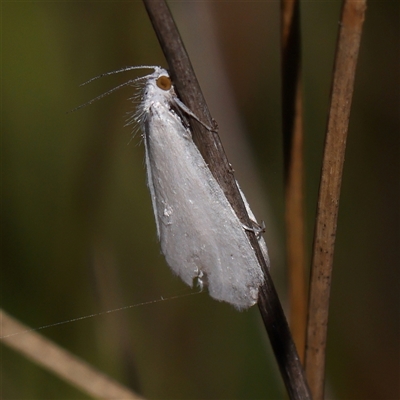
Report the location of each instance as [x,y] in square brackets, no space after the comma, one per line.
[102,313]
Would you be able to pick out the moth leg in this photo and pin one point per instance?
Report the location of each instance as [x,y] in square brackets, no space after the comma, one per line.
[199,280]
[187,111]
[258,229]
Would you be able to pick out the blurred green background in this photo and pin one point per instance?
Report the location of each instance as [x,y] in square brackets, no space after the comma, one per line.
[78,235]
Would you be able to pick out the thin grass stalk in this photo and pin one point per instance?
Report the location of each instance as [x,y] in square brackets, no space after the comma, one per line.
[60,362]
[293,138]
[212,151]
[352,18]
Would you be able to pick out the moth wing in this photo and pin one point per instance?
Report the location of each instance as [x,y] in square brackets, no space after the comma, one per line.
[200,234]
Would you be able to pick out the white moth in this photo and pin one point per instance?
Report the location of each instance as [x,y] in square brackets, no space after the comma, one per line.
[201,237]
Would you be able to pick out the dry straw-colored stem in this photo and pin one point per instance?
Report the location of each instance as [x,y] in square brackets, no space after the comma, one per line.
[351,23]
[60,362]
[212,151]
[292,128]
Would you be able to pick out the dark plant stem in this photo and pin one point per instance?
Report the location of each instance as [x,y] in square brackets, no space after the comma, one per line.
[292,127]
[350,30]
[211,149]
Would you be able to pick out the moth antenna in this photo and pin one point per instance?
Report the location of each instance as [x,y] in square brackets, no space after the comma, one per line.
[117,87]
[108,91]
[124,69]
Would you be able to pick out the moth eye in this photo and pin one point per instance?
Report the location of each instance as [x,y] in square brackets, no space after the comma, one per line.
[164,82]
